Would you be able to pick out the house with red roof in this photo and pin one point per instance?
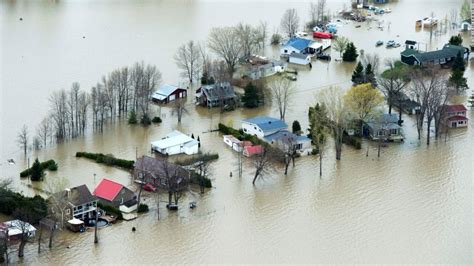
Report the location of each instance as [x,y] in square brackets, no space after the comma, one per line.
[455,116]
[111,193]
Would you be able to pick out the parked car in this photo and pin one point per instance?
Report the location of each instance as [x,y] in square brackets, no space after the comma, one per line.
[149,187]
[323,56]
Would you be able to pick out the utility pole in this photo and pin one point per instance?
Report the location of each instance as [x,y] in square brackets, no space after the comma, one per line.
[96,240]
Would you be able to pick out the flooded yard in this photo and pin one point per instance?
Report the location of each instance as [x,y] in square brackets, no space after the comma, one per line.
[411,205]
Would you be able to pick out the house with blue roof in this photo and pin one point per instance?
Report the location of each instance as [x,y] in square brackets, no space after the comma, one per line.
[168,93]
[385,128]
[275,132]
[298,45]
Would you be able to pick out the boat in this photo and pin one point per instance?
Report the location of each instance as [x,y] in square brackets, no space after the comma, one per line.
[391,44]
[419,23]
[387,10]
[322,35]
[172,206]
[430,22]
[149,187]
[379,43]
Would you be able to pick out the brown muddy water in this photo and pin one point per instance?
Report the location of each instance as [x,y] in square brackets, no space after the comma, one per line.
[412,205]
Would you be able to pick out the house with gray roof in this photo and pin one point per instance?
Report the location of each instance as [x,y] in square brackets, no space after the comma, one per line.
[385,127]
[168,93]
[77,202]
[447,54]
[219,94]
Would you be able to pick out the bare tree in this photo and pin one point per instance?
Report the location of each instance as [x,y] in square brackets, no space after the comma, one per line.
[282,91]
[179,108]
[44,130]
[59,113]
[262,34]
[4,246]
[337,114]
[226,43]
[23,138]
[340,44]
[261,163]
[290,22]
[288,145]
[189,60]
[371,59]
[249,39]
[57,202]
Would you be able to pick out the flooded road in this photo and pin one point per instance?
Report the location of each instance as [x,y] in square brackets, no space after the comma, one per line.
[411,205]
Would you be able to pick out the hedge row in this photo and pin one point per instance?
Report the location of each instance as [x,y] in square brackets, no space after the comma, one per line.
[110,210]
[107,159]
[50,165]
[206,157]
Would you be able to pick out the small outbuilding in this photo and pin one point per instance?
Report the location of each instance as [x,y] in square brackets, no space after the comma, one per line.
[168,93]
[176,143]
[214,95]
[299,59]
[250,151]
[455,116]
[16,228]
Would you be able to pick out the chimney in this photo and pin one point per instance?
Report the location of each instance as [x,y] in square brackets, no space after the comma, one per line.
[68,192]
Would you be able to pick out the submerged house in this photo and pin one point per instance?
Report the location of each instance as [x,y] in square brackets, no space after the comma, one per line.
[385,128]
[455,116]
[274,131]
[176,143]
[114,194]
[17,228]
[168,93]
[299,45]
[447,54]
[79,203]
[265,69]
[161,173]
[214,95]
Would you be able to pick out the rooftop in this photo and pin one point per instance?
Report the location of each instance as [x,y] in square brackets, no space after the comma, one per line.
[298,43]
[164,91]
[76,196]
[455,108]
[172,139]
[107,189]
[267,123]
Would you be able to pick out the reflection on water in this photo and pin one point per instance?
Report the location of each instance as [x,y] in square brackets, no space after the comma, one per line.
[411,205]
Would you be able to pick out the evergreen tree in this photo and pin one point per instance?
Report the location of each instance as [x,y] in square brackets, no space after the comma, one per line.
[132,118]
[251,96]
[296,127]
[455,40]
[358,75]
[350,54]
[36,171]
[370,76]
[459,63]
[458,81]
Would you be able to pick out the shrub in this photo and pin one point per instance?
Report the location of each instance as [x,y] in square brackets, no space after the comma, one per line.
[107,159]
[142,208]
[53,166]
[145,120]
[110,210]
[156,119]
[11,201]
[132,118]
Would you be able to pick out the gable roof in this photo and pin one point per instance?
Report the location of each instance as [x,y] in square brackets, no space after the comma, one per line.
[448,51]
[298,43]
[257,149]
[162,169]
[267,123]
[173,139]
[107,189]
[164,91]
[77,196]
[455,108]
[218,91]
[458,118]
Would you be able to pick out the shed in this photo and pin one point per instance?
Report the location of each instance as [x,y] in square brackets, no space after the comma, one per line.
[233,142]
[262,126]
[176,143]
[219,94]
[300,59]
[168,93]
[250,151]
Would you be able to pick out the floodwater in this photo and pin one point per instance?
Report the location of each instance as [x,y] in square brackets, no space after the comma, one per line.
[411,205]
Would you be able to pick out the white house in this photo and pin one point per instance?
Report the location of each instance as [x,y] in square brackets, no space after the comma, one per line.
[300,59]
[262,126]
[16,228]
[176,143]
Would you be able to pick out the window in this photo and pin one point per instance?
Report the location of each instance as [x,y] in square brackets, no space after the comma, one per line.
[299,146]
[381,132]
[245,130]
[68,211]
[460,122]
[255,128]
[286,51]
[393,132]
